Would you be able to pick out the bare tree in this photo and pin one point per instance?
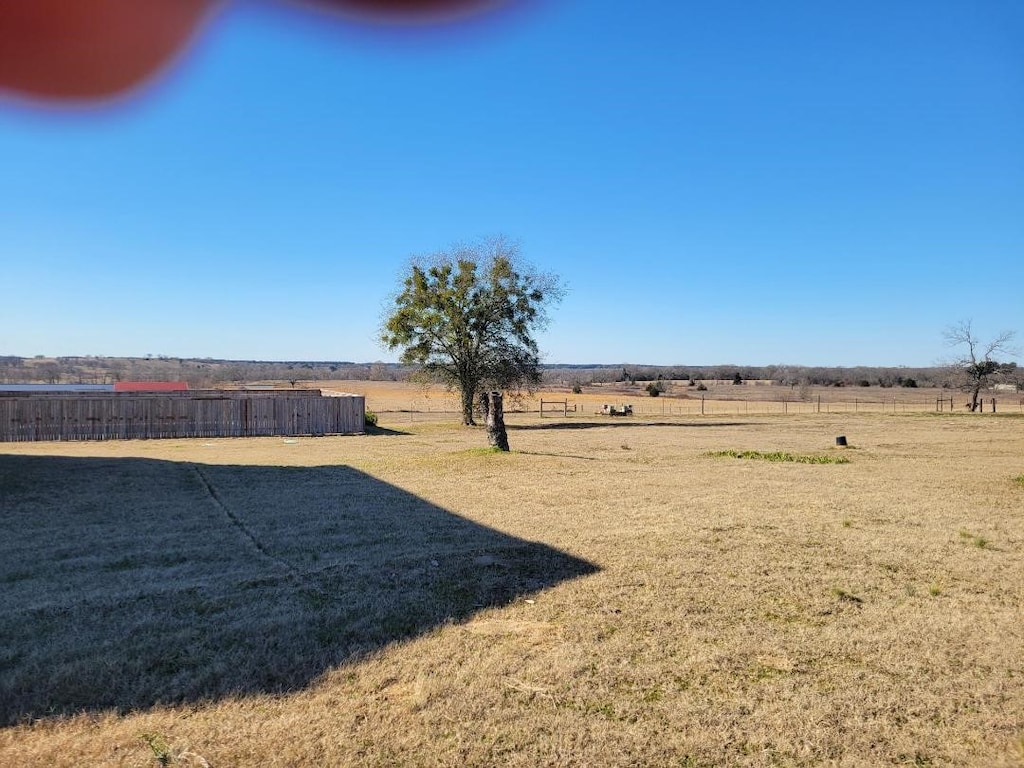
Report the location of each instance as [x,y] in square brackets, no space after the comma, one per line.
[50,372]
[977,365]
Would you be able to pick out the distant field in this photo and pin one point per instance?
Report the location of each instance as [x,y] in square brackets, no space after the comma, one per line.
[690,591]
[722,398]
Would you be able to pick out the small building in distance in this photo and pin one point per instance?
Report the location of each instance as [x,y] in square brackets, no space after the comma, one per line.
[50,388]
[120,386]
[151,386]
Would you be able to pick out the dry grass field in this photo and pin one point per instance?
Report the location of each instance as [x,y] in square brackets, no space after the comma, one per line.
[419,403]
[610,593]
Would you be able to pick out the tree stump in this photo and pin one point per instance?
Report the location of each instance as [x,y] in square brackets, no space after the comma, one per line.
[495,418]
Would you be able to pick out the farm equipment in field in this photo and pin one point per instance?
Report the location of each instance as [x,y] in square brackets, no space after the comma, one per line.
[616,410]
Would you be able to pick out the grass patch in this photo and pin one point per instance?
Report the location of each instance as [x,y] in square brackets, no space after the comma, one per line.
[123,564]
[490,450]
[1019,480]
[15,576]
[976,539]
[164,754]
[796,458]
[158,745]
[845,596]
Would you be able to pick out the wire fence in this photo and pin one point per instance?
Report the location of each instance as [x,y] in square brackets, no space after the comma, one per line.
[433,408]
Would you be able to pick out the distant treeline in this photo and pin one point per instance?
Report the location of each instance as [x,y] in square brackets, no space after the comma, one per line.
[790,375]
[205,372]
[198,372]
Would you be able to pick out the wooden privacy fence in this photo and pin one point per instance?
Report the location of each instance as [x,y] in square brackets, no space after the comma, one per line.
[133,415]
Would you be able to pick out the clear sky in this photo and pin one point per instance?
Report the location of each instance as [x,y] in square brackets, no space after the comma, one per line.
[717,182]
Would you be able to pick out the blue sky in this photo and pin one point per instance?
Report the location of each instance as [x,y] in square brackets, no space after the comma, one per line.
[789,182]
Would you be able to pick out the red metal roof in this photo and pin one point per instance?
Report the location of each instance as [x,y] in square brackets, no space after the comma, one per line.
[150,386]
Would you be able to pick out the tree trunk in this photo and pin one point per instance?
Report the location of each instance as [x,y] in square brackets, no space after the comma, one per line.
[974,398]
[496,434]
[467,407]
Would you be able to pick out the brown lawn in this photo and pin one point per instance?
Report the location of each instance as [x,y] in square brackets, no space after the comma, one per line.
[607,594]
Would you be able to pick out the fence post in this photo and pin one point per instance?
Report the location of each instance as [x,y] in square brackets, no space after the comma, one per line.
[702,405]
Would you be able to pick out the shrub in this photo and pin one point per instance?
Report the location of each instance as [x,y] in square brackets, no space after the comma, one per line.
[655,388]
[577,389]
[863,383]
[370,419]
[909,383]
[702,387]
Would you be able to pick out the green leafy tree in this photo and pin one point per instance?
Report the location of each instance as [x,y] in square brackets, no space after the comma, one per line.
[469,315]
[975,367]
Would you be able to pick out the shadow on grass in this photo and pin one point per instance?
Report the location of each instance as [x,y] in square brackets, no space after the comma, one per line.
[559,455]
[625,421]
[127,583]
[383,431]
